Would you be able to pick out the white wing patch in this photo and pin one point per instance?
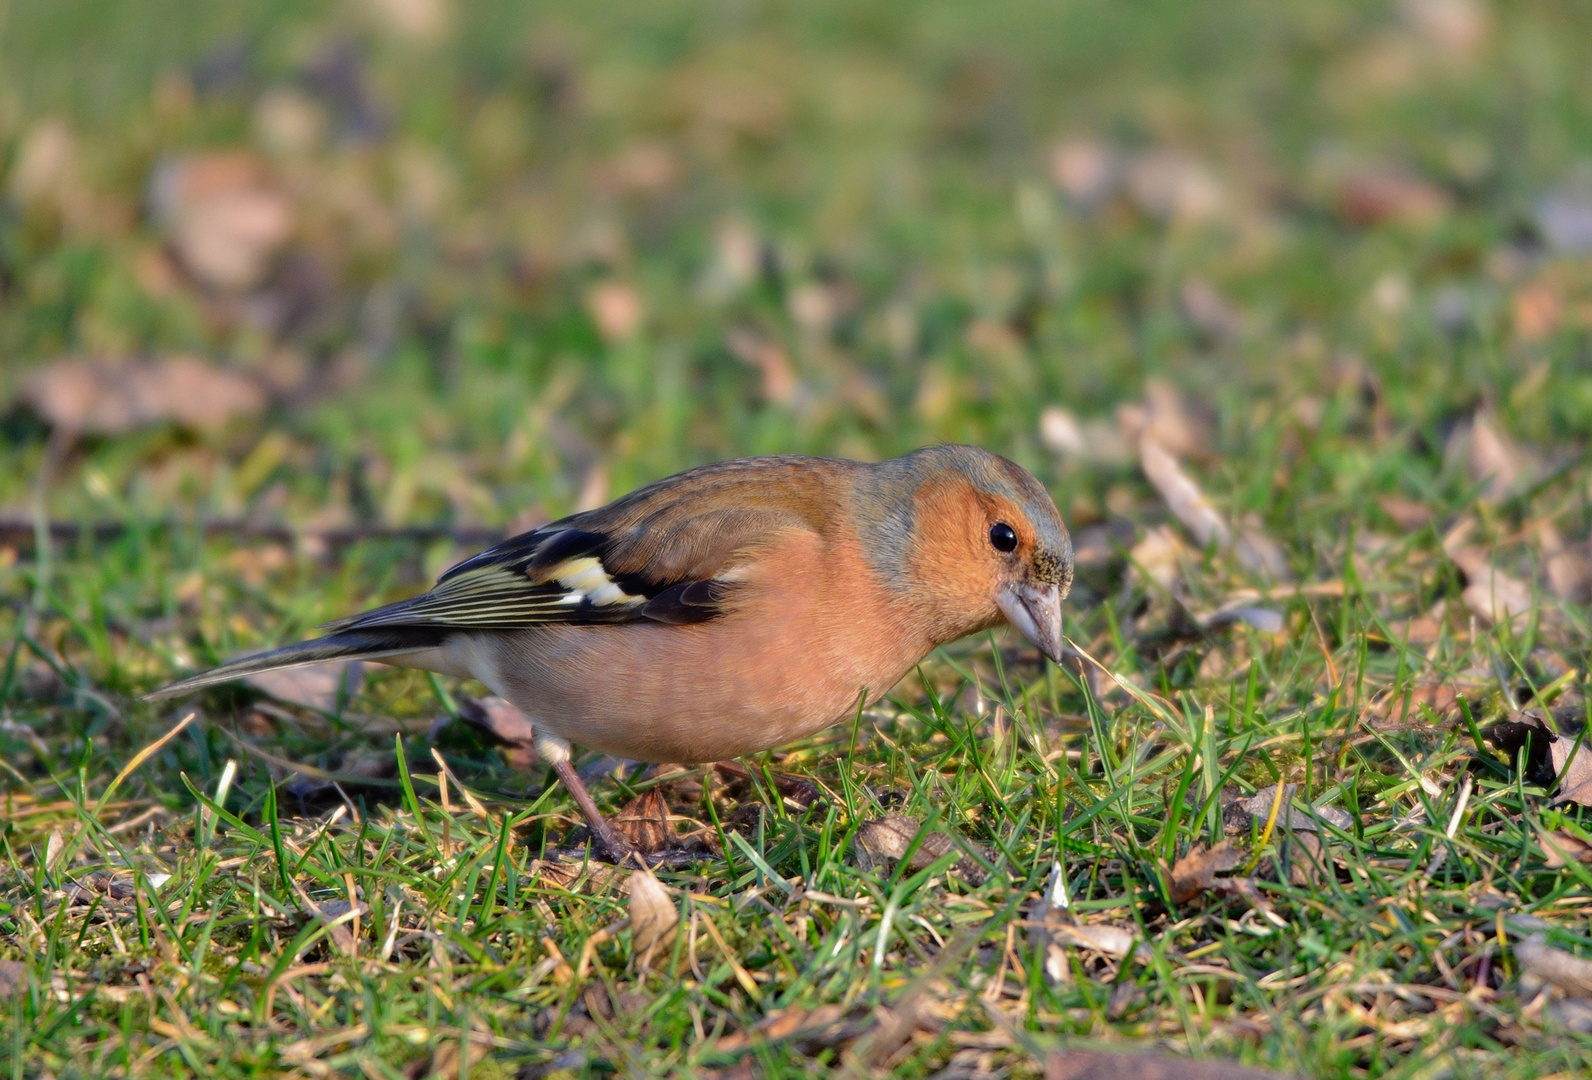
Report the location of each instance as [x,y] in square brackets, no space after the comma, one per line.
[587,582]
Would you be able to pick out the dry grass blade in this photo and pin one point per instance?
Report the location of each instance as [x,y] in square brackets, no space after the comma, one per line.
[139,758]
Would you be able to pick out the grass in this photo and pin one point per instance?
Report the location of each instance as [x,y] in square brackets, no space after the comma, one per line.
[838,230]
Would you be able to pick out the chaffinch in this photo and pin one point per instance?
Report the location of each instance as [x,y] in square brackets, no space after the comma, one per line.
[728,609]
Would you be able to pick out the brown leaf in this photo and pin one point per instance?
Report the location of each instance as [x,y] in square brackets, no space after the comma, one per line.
[1547,752]
[1068,1064]
[1169,418]
[1560,848]
[112,398]
[1113,941]
[616,308]
[1536,309]
[1575,782]
[1407,514]
[1457,29]
[1494,461]
[226,219]
[1182,495]
[644,821]
[330,911]
[1568,569]
[1085,170]
[1374,196]
[1171,185]
[1563,969]
[319,687]
[1489,593]
[653,918]
[1390,708]
[794,1022]
[1209,312]
[1254,549]
[1258,808]
[780,384]
[1196,871]
[882,841]
[13,977]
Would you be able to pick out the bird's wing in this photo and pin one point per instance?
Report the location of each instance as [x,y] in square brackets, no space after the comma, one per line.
[660,554]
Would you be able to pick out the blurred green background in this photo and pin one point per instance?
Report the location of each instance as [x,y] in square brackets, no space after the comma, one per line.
[474,260]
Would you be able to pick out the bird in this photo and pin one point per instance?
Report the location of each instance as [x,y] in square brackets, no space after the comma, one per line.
[728,609]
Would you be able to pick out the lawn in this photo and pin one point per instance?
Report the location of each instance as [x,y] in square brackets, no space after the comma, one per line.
[1288,304]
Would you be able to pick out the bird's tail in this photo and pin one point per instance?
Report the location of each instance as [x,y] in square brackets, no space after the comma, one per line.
[377,644]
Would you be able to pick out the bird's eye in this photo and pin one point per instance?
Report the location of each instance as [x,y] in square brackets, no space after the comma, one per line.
[1003,537]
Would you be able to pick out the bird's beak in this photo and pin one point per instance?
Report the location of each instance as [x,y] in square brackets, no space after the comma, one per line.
[1036,611]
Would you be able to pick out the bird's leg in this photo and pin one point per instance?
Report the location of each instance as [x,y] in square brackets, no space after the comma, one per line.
[555,752]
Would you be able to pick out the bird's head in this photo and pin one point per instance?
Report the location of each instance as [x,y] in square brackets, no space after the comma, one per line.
[973,540]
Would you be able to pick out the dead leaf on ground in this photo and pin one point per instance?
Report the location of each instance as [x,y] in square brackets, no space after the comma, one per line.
[1254,549]
[1565,970]
[1159,557]
[644,821]
[653,918]
[1564,219]
[13,977]
[1492,458]
[581,875]
[1409,705]
[1537,311]
[320,687]
[1381,195]
[1560,848]
[1547,752]
[794,1023]
[1211,313]
[1407,514]
[1257,808]
[1266,620]
[1113,941]
[1096,1065]
[92,398]
[1457,29]
[1196,871]
[1489,593]
[882,841]
[225,217]
[1174,186]
[340,916]
[1169,418]
[780,383]
[1086,170]
[1182,495]
[1567,566]
[617,310]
